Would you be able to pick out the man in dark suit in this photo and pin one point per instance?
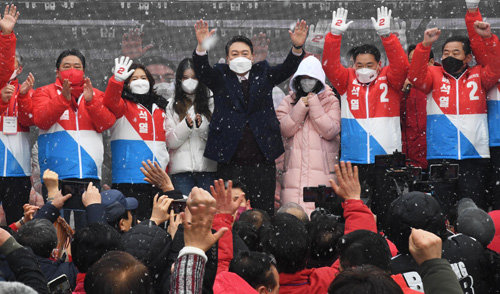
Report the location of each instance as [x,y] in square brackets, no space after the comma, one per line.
[244,135]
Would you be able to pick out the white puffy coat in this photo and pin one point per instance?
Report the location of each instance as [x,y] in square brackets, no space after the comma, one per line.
[187,145]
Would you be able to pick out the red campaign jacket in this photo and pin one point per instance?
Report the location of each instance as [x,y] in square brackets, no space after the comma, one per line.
[231,283]
[370,112]
[456,108]
[414,123]
[70,140]
[225,247]
[7,57]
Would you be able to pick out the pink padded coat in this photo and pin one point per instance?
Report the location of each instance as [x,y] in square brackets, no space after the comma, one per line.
[311,136]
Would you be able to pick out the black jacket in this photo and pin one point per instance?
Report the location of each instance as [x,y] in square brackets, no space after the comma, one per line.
[53,269]
[468,260]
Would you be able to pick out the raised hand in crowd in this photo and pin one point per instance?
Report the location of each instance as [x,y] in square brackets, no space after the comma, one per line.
[483,29]
[51,181]
[132,44]
[348,186]
[7,93]
[121,70]
[27,85]
[202,34]
[9,19]
[160,209]
[260,46]
[29,212]
[173,224]
[339,21]
[299,36]
[382,24]
[424,245]
[88,90]
[58,199]
[198,222]
[431,36]
[225,203]
[156,176]
[91,196]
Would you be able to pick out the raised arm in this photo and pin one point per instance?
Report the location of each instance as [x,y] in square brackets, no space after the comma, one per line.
[102,117]
[282,72]
[113,94]
[419,74]
[490,72]
[334,70]
[205,73]
[7,43]
[25,102]
[476,42]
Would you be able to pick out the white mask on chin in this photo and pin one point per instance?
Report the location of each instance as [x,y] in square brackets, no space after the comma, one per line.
[166,90]
[308,84]
[240,65]
[366,75]
[189,86]
[139,87]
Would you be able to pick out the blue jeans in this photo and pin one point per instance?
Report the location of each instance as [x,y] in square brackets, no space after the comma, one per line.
[185,182]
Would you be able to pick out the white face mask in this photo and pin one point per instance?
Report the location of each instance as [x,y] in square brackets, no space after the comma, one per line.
[240,65]
[189,86]
[308,84]
[366,75]
[166,90]
[139,86]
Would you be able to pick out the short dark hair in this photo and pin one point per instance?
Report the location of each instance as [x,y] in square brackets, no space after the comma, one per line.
[287,240]
[256,217]
[364,279]
[254,268]
[70,52]
[250,227]
[413,47]
[367,49]
[91,243]
[40,235]
[239,38]
[118,272]
[324,233]
[364,247]
[116,223]
[462,39]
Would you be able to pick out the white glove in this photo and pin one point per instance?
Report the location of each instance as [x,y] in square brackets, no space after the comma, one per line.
[472,4]
[122,65]
[383,23]
[339,21]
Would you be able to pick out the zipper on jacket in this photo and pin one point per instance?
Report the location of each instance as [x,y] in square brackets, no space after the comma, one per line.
[78,139]
[457,91]
[154,131]
[368,126]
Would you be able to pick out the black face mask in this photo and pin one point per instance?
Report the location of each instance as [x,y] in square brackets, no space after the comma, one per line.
[452,65]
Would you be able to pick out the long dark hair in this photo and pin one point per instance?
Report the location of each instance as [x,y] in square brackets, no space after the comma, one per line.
[149,96]
[180,99]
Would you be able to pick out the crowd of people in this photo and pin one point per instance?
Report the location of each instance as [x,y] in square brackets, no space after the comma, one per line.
[211,164]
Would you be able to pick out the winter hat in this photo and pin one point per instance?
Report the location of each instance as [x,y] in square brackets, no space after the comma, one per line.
[474,222]
[413,210]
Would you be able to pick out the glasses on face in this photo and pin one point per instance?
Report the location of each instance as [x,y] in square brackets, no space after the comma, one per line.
[163,78]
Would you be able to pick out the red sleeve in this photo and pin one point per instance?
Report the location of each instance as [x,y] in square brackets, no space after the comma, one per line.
[490,72]
[398,61]
[13,227]
[476,42]
[25,109]
[102,117]
[46,109]
[225,244]
[334,70]
[358,217]
[113,98]
[419,73]
[7,57]
[3,105]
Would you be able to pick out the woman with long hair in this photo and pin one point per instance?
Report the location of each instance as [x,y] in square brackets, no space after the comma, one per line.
[188,117]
